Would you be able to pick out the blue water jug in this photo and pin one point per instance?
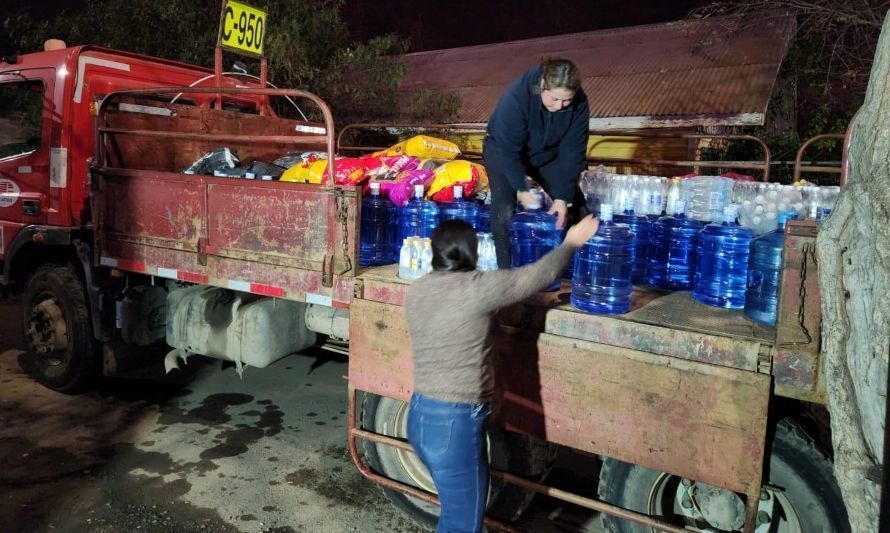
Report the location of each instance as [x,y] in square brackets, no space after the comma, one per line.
[484,224]
[765,273]
[672,250]
[377,230]
[418,217]
[721,273]
[460,208]
[533,233]
[641,228]
[603,266]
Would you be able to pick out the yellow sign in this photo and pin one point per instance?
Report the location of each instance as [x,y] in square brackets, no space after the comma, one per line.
[242,28]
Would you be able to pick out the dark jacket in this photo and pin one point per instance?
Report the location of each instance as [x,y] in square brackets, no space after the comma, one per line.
[524,138]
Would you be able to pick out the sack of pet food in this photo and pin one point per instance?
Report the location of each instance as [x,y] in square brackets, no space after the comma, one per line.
[460,172]
[351,171]
[399,188]
[299,173]
[424,147]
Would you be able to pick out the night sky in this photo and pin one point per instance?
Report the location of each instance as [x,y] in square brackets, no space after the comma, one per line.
[450,23]
[453,23]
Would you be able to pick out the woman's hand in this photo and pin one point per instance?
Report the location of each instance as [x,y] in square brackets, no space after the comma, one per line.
[582,231]
[561,209]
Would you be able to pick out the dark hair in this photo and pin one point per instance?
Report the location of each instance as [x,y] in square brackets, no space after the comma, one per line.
[454,246]
[559,73]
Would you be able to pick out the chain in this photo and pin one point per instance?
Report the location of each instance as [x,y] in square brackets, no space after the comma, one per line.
[342,216]
[809,253]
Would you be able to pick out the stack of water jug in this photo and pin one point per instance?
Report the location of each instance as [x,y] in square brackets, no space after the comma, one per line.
[401,235]
[719,238]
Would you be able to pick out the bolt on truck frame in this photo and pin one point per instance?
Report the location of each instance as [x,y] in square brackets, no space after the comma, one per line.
[682,400]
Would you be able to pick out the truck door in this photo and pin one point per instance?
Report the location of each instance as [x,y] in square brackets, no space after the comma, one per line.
[26,119]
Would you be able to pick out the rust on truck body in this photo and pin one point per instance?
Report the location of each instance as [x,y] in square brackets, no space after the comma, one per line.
[796,363]
[299,239]
[674,415]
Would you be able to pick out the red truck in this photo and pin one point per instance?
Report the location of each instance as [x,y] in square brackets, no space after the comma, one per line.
[697,413]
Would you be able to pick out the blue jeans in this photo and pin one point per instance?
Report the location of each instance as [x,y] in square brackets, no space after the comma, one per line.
[449,437]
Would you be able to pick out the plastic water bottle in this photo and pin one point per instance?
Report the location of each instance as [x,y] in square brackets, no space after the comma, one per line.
[672,250]
[721,275]
[673,196]
[484,221]
[765,273]
[487,258]
[415,258]
[641,230]
[460,208]
[710,194]
[376,231]
[405,258]
[426,257]
[533,233]
[418,217]
[602,279]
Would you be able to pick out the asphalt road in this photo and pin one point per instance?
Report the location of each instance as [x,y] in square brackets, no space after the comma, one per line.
[206,452]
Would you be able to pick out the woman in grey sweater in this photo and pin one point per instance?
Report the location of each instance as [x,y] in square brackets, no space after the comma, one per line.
[449,317]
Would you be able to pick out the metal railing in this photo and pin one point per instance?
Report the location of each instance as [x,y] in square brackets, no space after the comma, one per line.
[762,165]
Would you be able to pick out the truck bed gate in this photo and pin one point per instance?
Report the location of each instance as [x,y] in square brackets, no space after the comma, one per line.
[674,415]
[289,240]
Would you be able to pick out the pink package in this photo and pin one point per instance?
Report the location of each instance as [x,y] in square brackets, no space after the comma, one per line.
[401,189]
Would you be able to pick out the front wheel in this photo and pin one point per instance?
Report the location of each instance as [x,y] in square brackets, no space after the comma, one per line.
[508,451]
[802,495]
[57,332]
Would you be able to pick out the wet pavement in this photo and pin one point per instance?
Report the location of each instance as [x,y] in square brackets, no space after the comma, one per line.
[208,451]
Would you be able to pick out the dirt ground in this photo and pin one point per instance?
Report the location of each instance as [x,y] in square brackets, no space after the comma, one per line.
[207,452]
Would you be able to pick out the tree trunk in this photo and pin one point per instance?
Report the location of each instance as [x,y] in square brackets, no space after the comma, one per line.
[854,276]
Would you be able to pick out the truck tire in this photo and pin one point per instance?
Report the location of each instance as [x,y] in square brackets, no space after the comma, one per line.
[509,451]
[809,500]
[56,330]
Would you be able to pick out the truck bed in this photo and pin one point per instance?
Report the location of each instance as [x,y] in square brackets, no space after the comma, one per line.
[660,322]
[672,324]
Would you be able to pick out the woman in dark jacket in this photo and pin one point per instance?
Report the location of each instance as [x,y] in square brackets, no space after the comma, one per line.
[538,129]
[449,317]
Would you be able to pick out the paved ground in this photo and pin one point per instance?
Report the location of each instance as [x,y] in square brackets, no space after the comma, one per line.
[210,453]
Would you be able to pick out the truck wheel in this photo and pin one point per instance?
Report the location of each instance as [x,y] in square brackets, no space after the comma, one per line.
[56,329]
[802,495]
[511,452]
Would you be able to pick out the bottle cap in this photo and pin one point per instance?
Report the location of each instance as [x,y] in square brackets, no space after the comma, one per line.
[249,175]
[538,199]
[418,190]
[266,177]
[375,188]
[458,191]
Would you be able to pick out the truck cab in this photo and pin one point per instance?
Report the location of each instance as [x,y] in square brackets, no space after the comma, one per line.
[46,137]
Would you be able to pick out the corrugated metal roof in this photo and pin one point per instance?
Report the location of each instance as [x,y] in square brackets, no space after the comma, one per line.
[713,71]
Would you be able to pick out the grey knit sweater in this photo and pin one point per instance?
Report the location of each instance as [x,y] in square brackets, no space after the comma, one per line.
[449,318]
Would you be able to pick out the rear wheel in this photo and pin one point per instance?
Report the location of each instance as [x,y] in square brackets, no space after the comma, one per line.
[802,495]
[56,329]
[508,451]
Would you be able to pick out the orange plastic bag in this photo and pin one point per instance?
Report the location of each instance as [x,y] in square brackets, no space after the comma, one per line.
[468,175]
